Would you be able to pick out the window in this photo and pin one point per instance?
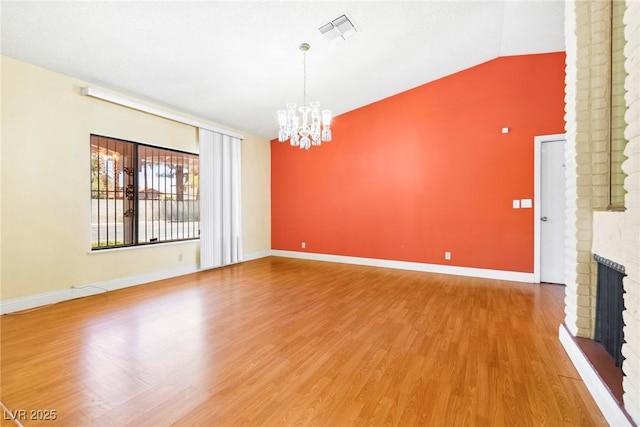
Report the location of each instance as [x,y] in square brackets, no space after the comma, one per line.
[141,194]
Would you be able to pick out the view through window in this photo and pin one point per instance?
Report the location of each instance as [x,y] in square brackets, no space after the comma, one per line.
[141,194]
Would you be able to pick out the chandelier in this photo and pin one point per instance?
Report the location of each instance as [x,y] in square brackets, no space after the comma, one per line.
[312,127]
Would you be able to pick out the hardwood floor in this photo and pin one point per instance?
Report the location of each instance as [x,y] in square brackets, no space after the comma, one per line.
[281,342]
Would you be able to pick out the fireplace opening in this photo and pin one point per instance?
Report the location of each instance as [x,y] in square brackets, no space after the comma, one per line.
[609,307]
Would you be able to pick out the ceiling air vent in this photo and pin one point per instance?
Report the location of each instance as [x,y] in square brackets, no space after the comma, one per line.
[341,27]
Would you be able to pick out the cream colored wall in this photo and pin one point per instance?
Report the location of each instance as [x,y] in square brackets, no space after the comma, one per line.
[45,212]
[256,195]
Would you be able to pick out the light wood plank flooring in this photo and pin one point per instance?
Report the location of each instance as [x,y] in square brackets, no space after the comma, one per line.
[281,342]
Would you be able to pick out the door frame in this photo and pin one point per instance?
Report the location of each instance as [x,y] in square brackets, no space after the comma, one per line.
[537,167]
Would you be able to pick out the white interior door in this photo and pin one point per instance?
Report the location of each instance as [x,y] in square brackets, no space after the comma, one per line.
[551,211]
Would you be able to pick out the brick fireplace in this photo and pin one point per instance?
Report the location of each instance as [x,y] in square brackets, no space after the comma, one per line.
[592,228]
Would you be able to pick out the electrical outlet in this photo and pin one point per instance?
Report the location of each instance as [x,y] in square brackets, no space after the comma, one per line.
[447,255]
[304,245]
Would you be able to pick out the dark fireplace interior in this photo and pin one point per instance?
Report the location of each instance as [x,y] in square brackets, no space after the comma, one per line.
[609,308]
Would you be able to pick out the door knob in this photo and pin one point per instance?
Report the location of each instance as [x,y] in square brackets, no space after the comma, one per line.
[544,218]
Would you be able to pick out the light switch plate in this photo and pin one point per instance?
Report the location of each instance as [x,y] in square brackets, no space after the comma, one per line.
[526,203]
[516,204]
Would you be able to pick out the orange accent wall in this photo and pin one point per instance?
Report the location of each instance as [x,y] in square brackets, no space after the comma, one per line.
[426,171]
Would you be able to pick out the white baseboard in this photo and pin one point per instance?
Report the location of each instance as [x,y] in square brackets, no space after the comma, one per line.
[513,276]
[256,255]
[614,415]
[47,298]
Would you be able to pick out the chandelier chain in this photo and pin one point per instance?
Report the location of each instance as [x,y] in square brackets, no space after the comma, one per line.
[304,87]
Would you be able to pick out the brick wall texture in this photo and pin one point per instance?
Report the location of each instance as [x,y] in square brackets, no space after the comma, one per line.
[631,234]
[587,116]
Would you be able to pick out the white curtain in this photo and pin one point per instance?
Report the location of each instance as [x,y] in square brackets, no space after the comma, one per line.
[220,199]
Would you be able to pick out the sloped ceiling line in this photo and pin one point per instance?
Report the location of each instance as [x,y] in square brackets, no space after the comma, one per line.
[236,62]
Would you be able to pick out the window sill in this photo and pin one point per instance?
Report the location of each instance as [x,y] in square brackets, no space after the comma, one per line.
[149,245]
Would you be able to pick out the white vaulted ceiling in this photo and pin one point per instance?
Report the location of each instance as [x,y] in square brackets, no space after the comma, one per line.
[237,62]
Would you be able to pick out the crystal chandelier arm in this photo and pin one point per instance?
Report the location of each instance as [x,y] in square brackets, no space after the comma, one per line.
[326,125]
[282,122]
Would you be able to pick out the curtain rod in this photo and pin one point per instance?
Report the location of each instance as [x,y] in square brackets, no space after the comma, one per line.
[119,100]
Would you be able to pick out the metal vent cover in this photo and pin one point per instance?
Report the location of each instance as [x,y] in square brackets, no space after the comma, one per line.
[341,27]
